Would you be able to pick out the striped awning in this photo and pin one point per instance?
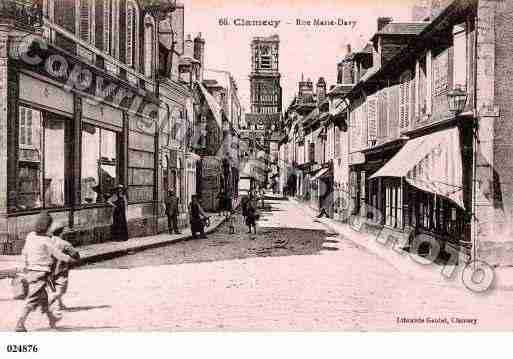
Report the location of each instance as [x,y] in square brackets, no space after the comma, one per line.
[432,163]
[214,106]
[320,174]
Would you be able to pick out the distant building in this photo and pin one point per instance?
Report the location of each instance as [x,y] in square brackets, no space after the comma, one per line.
[264,120]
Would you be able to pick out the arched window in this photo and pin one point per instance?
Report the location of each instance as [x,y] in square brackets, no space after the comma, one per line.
[149,46]
[132,34]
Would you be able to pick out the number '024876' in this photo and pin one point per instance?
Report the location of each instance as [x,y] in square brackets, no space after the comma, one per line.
[22,348]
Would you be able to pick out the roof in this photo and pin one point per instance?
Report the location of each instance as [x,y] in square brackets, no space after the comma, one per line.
[455,11]
[276,136]
[340,90]
[402,28]
[186,60]
[312,116]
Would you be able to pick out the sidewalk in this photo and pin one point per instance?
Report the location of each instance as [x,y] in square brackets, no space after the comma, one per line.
[407,263]
[9,265]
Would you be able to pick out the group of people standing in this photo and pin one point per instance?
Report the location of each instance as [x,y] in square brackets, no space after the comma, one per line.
[198,219]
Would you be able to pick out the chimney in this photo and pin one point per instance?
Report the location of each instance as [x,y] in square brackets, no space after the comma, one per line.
[339,72]
[188,47]
[199,53]
[383,21]
[348,49]
[321,91]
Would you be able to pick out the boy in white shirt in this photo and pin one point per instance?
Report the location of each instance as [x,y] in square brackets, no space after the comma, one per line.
[39,253]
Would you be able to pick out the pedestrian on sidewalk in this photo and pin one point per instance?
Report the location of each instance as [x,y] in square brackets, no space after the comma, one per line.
[119,202]
[323,212]
[221,202]
[39,253]
[251,215]
[197,218]
[228,204]
[172,212]
[60,269]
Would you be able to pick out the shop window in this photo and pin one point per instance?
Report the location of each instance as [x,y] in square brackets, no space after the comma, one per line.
[438,215]
[99,164]
[42,160]
[393,204]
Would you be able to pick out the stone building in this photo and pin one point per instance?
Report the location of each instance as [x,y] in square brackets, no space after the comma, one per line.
[81,113]
[264,121]
[430,133]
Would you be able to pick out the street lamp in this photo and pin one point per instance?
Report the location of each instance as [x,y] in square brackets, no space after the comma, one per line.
[457,100]
[372,140]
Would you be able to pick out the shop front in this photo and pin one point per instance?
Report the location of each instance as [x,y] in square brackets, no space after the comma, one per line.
[322,189]
[422,189]
[68,149]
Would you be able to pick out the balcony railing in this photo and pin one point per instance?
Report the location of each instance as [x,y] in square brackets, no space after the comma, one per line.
[26,13]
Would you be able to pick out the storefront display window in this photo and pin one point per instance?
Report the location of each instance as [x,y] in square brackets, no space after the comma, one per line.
[42,160]
[393,204]
[99,164]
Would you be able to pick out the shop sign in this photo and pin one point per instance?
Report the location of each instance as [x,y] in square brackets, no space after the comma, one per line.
[34,54]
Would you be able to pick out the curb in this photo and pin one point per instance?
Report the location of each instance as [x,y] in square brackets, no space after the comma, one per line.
[410,270]
[110,254]
[137,248]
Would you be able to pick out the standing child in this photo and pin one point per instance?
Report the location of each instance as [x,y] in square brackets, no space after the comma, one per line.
[231,222]
[60,268]
[251,215]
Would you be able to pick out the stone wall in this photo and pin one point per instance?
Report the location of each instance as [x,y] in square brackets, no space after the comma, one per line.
[494,227]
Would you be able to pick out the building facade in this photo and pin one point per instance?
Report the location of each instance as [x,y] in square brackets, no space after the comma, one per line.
[97,94]
[428,126]
[79,116]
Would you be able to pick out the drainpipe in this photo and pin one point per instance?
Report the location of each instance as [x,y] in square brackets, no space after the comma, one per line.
[475,142]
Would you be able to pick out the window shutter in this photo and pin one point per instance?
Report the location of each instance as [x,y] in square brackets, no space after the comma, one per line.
[337,142]
[363,184]
[148,51]
[406,123]
[413,90]
[106,25]
[28,127]
[22,126]
[85,20]
[401,104]
[404,102]
[129,34]
[372,114]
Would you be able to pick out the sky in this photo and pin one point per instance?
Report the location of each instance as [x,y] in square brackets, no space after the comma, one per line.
[311,50]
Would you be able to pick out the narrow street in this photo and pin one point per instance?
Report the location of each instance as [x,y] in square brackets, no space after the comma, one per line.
[294,275]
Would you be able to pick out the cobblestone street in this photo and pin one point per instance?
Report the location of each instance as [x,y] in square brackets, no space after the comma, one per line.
[295,275]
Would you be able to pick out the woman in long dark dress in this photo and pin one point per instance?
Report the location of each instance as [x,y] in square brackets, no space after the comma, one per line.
[119,229]
[197,218]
